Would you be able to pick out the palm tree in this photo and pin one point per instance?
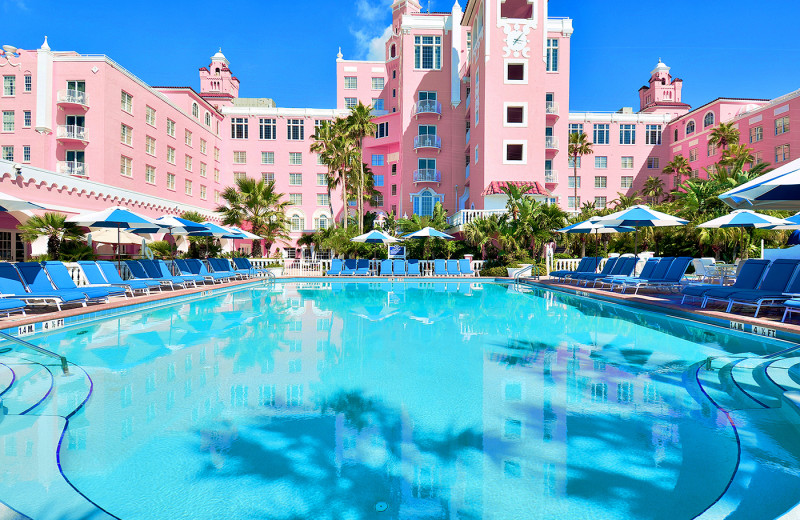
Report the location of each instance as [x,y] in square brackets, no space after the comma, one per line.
[653,189]
[737,154]
[359,125]
[259,204]
[325,145]
[579,146]
[482,231]
[678,166]
[515,196]
[723,135]
[52,225]
[340,153]
[626,201]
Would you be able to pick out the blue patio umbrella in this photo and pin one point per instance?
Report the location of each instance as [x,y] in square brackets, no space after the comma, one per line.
[778,189]
[593,225]
[745,218]
[375,237]
[174,226]
[119,218]
[213,230]
[9,203]
[429,232]
[641,216]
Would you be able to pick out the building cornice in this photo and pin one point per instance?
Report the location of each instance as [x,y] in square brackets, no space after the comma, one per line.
[616,117]
[284,112]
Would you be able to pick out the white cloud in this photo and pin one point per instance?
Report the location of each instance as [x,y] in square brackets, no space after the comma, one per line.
[372,10]
[370,35]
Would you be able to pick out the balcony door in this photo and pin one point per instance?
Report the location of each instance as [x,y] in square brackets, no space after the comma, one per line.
[427,95]
[79,121]
[77,86]
[75,156]
[427,130]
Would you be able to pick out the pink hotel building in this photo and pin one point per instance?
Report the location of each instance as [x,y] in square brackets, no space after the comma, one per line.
[465,102]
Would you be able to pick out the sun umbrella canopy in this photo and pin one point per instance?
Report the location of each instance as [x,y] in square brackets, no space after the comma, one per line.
[112,236]
[593,225]
[115,217]
[641,216]
[429,232]
[375,237]
[744,218]
[244,234]
[9,203]
[214,230]
[778,189]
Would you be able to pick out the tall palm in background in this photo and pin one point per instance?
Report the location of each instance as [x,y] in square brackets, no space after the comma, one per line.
[325,145]
[359,125]
[579,146]
[724,135]
[678,167]
[52,225]
[653,189]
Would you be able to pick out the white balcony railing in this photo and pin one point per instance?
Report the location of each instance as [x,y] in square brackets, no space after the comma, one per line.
[427,106]
[465,216]
[427,141]
[72,168]
[551,108]
[551,142]
[551,176]
[427,175]
[72,97]
[77,133]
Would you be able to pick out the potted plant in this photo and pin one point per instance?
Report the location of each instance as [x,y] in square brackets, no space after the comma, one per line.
[275,268]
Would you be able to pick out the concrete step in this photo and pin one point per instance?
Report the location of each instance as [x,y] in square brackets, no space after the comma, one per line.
[781,373]
[31,388]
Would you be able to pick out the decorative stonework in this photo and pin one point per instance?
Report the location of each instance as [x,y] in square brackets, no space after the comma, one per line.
[517,31]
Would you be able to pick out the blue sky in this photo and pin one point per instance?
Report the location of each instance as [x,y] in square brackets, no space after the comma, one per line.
[287,50]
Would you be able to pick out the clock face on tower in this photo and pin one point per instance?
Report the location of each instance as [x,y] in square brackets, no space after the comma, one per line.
[516,40]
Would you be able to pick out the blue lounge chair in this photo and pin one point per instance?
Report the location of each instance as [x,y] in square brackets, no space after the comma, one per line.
[386,268]
[222,266]
[111,275]
[399,267]
[362,267]
[452,268]
[9,305]
[466,269]
[670,280]
[140,273]
[792,305]
[245,264]
[165,271]
[195,266]
[588,264]
[658,272]
[749,276]
[413,268]
[350,267]
[92,273]
[776,283]
[153,269]
[14,285]
[439,268]
[62,281]
[607,270]
[647,270]
[336,267]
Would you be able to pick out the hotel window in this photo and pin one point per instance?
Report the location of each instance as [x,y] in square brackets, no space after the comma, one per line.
[515,115]
[170,127]
[8,153]
[350,82]
[267,157]
[150,116]
[202,192]
[693,154]
[170,155]
[203,146]
[27,119]
[321,223]
[8,120]
[216,197]
[756,134]
[571,161]
[296,199]
[216,174]
[295,130]
[239,176]
[28,80]
[239,128]
[377,160]
[318,124]
[552,55]
[322,179]
[195,110]
[690,128]
[216,153]
[126,166]
[600,182]
[26,153]
[599,203]
[126,135]
[394,166]
[187,138]
[150,145]
[711,148]
[377,104]
[378,83]
[322,199]
[377,181]
[203,169]
[149,174]
[377,200]
[653,163]
[571,202]
[268,177]
[626,162]
[675,138]
[601,134]
[626,181]
[695,174]
[297,224]
[652,134]
[515,153]
[320,161]
[571,181]
[627,134]
[239,157]
[187,187]
[126,102]
[757,158]
[708,120]
[601,162]
[782,153]
[782,125]
[576,128]
[295,158]
[9,85]
[350,102]
[515,73]
[187,163]
[427,52]
[267,129]
[208,119]
[382,130]
[295,179]
[394,189]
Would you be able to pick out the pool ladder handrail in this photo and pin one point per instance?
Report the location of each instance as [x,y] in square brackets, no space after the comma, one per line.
[518,276]
[40,350]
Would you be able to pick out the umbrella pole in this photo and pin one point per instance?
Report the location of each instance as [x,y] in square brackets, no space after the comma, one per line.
[119,263]
[635,241]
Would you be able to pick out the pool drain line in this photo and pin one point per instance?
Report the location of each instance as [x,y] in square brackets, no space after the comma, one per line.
[381,507]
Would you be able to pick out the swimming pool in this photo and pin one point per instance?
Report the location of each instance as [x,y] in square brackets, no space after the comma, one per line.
[400,400]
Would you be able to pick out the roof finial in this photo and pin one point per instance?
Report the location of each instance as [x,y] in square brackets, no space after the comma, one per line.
[45,46]
[339,55]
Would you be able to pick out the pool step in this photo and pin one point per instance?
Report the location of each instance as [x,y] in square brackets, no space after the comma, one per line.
[717,380]
[68,394]
[31,388]
[7,377]
[783,372]
[749,375]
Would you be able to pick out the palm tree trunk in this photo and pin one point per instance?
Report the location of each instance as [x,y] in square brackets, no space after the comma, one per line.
[361,189]
[345,209]
[330,202]
[575,181]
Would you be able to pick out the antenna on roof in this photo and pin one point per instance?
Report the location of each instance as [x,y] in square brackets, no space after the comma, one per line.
[429,6]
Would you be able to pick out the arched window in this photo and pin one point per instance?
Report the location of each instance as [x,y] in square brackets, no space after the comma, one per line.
[708,120]
[208,119]
[195,110]
[297,223]
[217,71]
[676,135]
[424,202]
[392,51]
[690,128]
[322,222]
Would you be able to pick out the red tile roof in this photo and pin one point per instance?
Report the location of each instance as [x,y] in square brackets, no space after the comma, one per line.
[496,187]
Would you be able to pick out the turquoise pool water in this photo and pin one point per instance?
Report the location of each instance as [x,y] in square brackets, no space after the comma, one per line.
[408,401]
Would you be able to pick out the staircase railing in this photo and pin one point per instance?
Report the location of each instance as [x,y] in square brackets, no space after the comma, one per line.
[40,350]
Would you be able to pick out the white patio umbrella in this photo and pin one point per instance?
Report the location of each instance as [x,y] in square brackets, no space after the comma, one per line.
[244,234]
[375,237]
[778,189]
[593,225]
[429,232]
[118,218]
[745,218]
[11,203]
[111,236]
[641,216]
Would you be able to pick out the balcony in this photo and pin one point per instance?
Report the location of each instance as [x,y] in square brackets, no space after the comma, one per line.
[551,142]
[72,168]
[72,97]
[551,176]
[427,175]
[427,141]
[427,106]
[551,108]
[72,133]
[461,218]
